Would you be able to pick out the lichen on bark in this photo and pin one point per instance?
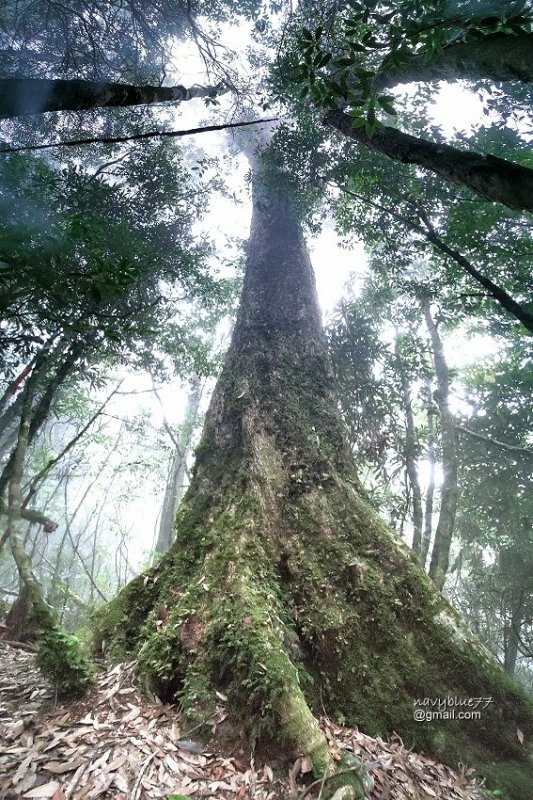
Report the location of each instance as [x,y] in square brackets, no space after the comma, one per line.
[283,589]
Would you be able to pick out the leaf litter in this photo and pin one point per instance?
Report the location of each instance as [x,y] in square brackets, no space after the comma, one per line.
[117,745]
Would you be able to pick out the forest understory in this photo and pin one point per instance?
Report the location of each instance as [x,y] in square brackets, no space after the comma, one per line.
[117,744]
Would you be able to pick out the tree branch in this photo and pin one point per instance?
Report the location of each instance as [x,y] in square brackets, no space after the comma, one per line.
[493,178]
[495,291]
[499,57]
[137,136]
[31,487]
[503,445]
[19,96]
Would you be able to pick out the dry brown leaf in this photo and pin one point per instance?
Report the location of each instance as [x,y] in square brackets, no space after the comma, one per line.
[60,767]
[45,790]
[134,713]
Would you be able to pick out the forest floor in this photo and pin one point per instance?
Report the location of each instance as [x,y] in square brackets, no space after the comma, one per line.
[116,744]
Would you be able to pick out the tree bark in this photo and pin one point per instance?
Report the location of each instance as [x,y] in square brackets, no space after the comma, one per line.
[19,96]
[500,57]
[410,459]
[283,589]
[42,407]
[430,491]
[31,597]
[449,491]
[178,468]
[490,177]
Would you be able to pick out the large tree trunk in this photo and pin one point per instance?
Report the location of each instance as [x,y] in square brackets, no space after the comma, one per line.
[500,57]
[284,589]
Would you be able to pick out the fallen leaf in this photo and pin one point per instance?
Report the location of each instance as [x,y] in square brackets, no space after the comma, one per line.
[45,790]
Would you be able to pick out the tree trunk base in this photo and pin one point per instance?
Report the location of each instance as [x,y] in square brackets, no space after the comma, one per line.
[284,605]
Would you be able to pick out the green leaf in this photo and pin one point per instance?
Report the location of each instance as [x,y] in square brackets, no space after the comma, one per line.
[386,105]
[325,59]
[347,61]
[357,47]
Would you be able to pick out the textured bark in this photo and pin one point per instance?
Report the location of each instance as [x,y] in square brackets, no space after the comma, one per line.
[284,590]
[501,57]
[449,491]
[430,491]
[19,96]
[31,597]
[490,177]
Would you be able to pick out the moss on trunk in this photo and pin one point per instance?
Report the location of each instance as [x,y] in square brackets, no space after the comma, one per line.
[284,589]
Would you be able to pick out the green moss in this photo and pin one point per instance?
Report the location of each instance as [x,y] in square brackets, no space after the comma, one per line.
[63,662]
[507,780]
[286,591]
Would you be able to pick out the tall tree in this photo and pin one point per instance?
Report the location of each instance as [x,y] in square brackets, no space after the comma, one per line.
[177,473]
[283,584]
[281,573]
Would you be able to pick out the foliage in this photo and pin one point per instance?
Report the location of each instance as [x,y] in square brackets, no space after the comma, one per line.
[494,521]
[62,661]
[338,62]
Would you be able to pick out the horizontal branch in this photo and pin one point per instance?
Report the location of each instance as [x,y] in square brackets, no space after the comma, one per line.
[493,178]
[137,136]
[19,96]
[489,440]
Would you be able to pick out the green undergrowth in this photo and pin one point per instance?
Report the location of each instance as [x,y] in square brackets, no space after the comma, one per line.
[63,661]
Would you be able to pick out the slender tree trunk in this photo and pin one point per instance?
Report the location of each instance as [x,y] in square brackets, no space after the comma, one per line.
[31,596]
[20,96]
[283,588]
[449,492]
[513,603]
[512,641]
[430,491]
[178,468]
[410,458]
[492,178]
[42,407]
